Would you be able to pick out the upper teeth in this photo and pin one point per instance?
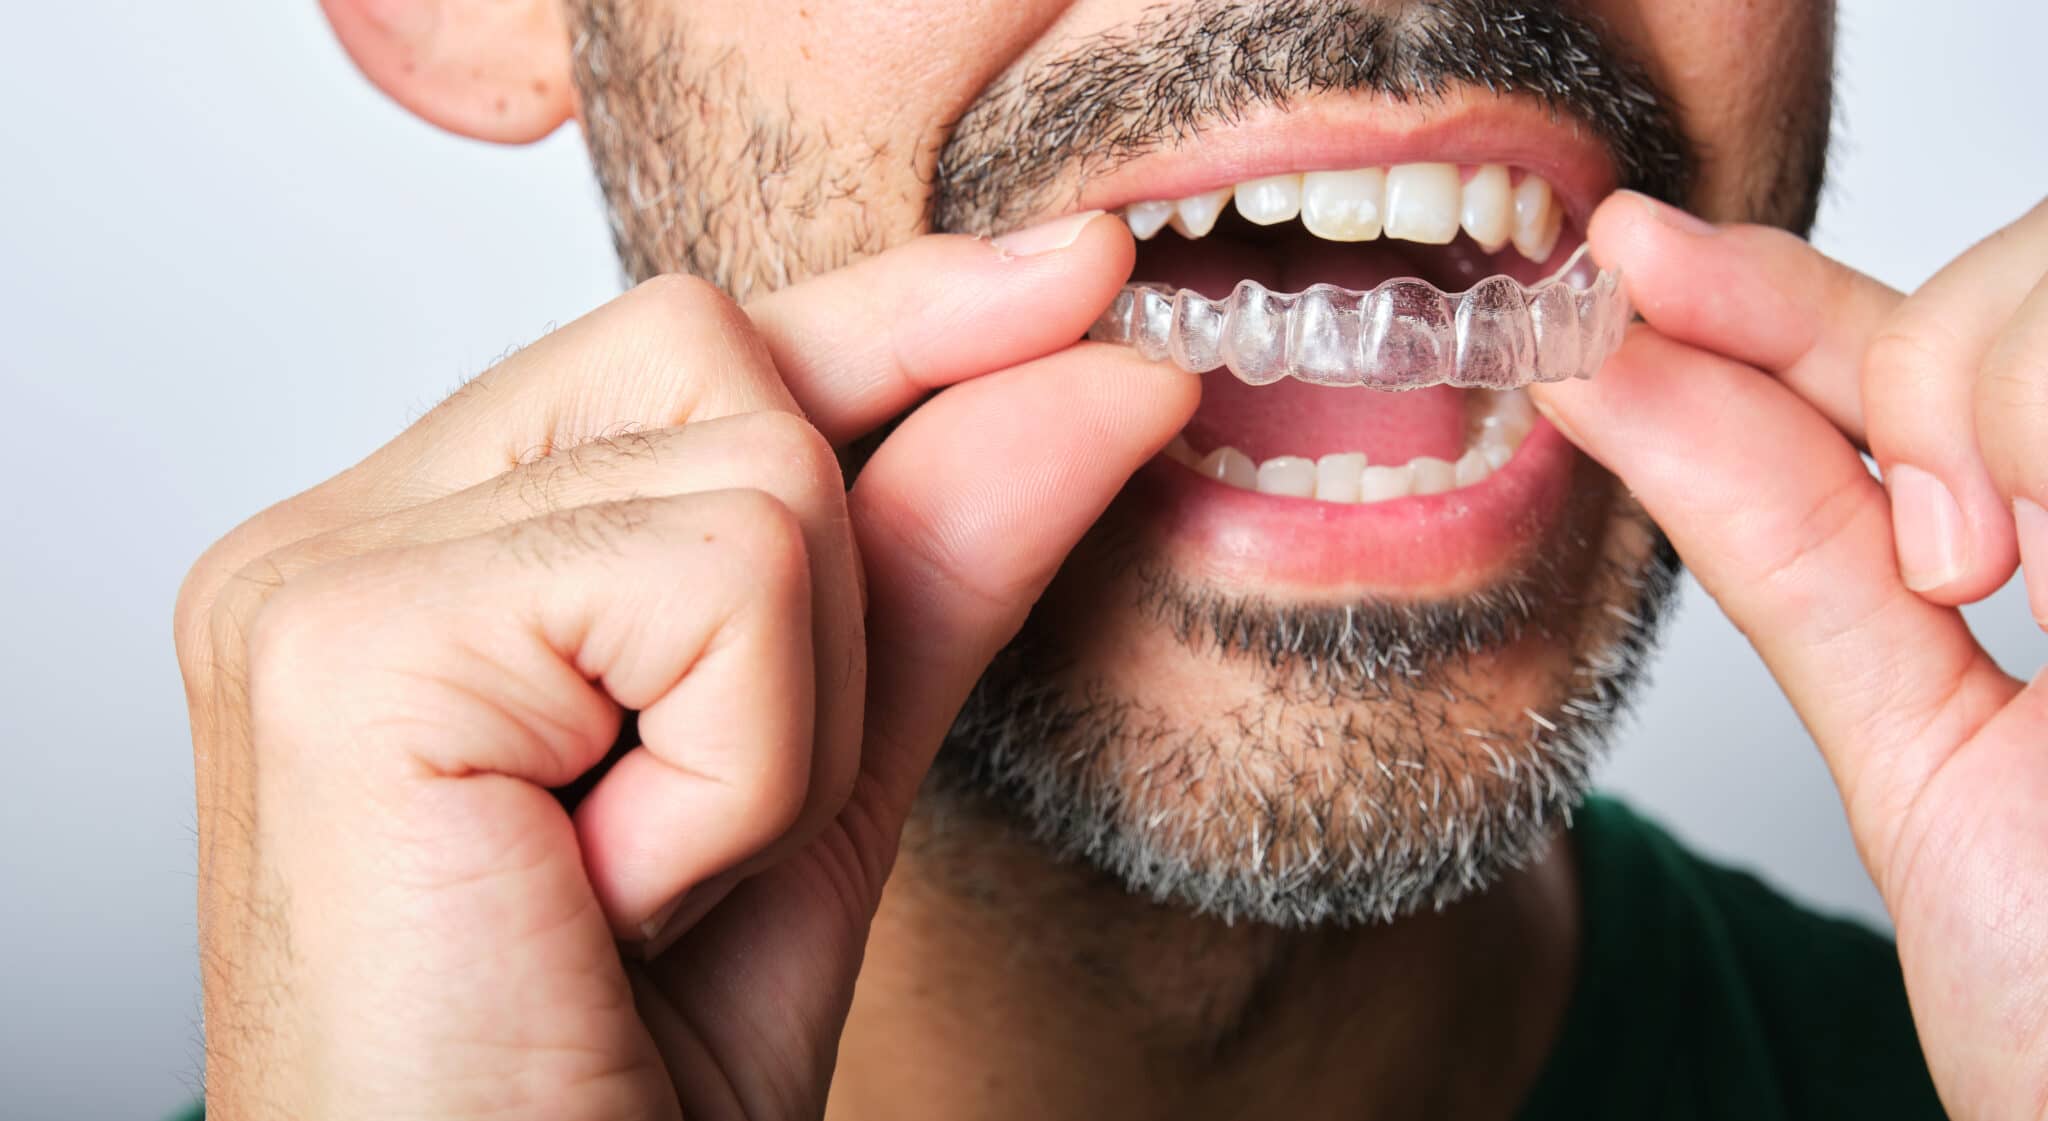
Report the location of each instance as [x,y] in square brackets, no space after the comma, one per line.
[1422,202]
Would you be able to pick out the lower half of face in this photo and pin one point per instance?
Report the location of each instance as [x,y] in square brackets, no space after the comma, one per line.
[1351,644]
[1302,710]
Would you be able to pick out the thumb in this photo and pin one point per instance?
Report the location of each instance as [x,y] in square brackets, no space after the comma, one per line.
[965,513]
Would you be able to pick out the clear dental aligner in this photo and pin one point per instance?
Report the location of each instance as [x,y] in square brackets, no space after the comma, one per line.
[1404,334]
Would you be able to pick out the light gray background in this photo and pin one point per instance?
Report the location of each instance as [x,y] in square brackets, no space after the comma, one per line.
[229,268]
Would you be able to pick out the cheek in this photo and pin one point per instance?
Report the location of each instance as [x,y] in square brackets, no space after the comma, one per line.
[888,71]
[1744,75]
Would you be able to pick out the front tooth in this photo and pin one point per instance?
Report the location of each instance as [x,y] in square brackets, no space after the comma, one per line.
[1432,475]
[1264,202]
[1471,468]
[1196,215]
[1377,484]
[1147,218]
[1290,475]
[1537,219]
[1422,202]
[1227,464]
[1344,205]
[1337,476]
[1488,211]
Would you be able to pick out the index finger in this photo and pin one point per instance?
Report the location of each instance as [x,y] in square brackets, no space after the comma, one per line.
[849,349]
[862,344]
[1756,294]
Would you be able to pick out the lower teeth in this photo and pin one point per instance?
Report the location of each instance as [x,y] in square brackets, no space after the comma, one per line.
[1347,477]
[1404,334]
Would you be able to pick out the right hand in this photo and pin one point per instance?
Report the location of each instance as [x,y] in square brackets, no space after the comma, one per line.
[641,512]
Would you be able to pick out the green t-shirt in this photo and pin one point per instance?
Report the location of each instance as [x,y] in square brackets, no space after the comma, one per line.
[1703,994]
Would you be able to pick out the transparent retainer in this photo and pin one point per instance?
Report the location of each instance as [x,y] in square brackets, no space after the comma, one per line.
[1404,334]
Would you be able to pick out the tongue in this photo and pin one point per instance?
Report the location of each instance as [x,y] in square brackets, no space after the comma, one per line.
[1293,418]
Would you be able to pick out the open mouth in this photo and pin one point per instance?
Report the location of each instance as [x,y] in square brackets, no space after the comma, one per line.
[1414,277]
[1367,333]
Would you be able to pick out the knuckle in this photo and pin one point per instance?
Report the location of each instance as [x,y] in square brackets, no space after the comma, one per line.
[679,300]
[218,575]
[192,609]
[686,340]
[792,452]
[764,535]
[289,629]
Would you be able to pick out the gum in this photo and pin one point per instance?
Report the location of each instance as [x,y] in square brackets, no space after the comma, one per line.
[1403,334]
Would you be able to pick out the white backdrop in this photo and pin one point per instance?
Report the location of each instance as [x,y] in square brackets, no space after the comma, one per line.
[228,268]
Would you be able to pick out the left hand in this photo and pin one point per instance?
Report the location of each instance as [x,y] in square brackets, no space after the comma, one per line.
[1736,416]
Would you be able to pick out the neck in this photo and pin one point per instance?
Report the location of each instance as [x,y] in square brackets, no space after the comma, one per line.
[999,984]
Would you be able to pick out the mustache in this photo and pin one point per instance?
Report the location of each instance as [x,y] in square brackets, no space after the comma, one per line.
[1121,93]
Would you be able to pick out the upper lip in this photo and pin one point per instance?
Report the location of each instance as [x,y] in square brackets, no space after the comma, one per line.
[1338,133]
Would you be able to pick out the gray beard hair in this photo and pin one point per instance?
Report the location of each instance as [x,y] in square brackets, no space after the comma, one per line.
[1352,795]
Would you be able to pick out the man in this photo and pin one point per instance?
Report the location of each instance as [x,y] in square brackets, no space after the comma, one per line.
[553,760]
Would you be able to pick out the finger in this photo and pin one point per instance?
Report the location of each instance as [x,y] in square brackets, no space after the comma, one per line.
[963,516]
[1753,293]
[1775,513]
[850,348]
[1921,384]
[2011,397]
[861,344]
[777,453]
[1896,373]
[411,684]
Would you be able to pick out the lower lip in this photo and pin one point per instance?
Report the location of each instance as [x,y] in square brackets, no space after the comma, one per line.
[1424,546]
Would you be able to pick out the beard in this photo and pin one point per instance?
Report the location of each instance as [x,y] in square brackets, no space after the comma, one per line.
[1376,757]
[1373,757]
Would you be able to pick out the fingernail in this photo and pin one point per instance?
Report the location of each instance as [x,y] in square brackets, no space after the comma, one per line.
[668,925]
[1046,237]
[1927,525]
[2032,521]
[657,924]
[1683,221]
